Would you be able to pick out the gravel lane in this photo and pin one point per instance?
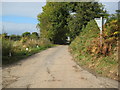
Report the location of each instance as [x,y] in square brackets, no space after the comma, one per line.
[52,68]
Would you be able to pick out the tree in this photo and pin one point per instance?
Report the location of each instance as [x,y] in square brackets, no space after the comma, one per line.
[53,22]
[57,21]
[15,37]
[34,35]
[84,12]
[115,16]
[26,34]
[5,35]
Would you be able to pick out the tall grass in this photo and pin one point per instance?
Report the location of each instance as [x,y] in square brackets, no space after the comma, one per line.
[13,51]
[7,47]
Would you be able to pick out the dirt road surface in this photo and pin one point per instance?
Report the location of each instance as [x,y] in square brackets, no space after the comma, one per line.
[52,68]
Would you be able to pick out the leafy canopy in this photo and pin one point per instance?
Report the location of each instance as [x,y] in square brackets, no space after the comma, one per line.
[57,20]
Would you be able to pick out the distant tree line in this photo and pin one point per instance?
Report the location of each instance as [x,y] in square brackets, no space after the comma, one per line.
[33,35]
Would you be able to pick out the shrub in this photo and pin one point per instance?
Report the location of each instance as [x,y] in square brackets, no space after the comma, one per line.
[85,38]
[88,51]
[18,51]
[7,46]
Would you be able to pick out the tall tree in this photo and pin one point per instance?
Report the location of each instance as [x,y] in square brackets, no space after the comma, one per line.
[53,22]
[83,13]
[57,20]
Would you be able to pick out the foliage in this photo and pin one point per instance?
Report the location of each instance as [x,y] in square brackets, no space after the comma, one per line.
[13,49]
[109,40]
[26,34]
[23,37]
[111,29]
[15,37]
[7,46]
[87,50]
[53,22]
[57,21]
[34,35]
[85,38]
[5,35]
[115,16]
[84,12]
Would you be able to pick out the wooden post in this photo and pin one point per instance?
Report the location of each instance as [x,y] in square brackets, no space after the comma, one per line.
[101,29]
[100,23]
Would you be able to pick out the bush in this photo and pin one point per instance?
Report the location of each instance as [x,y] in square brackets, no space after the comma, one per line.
[111,29]
[85,38]
[88,52]
[7,50]
[7,46]
[18,51]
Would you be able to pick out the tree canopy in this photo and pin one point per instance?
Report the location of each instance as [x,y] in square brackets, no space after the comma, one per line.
[61,19]
[53,22]
[26,34]
[34,35]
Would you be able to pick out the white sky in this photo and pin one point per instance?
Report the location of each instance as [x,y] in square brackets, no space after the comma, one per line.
[26,9]
[20,9]
[56,0]
[31,8]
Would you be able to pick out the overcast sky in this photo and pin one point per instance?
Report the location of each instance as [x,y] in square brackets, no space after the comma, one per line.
[19,17]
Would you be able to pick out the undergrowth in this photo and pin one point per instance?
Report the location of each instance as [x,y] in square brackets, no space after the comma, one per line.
[100,59]
[13,51]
